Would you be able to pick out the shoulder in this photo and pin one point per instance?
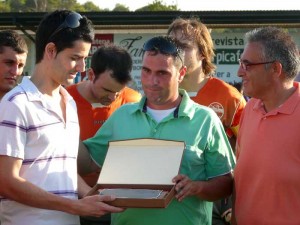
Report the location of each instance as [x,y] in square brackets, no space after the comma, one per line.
[127,108]
[80,100]
[205,110]
[18,104]
[72,89]
[197,111]
[228,94]
[252,103]
[16,96]
[130,95]
[128,90]
[25,92]
[224,87]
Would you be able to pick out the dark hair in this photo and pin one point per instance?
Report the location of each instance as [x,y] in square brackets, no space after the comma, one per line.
[277,45]
[10,38]
[112,58]
[167,46]
[65,37]
[197,32]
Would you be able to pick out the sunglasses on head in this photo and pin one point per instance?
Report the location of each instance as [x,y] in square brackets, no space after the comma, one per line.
[71,21]
[165,45]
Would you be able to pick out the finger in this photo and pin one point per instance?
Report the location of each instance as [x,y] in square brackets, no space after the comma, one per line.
[180,195]
[178,187]
[109,208]
[177,178]
[106,198]
[184,191]
[101,208]
[182,183]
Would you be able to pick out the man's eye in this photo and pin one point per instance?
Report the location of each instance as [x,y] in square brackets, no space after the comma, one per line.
[9,63]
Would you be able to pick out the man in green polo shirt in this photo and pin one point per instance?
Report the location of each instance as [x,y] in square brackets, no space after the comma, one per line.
[166,112]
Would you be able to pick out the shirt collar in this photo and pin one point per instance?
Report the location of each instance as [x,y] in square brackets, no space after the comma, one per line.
[183,109]
[33,94]
[287,107]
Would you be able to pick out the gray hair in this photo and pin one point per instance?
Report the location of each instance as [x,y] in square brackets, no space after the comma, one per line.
[277,45]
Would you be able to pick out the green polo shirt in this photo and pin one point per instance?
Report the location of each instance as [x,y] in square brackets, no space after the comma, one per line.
[208,154]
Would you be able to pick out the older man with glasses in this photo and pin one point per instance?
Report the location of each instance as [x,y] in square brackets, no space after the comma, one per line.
[267,173]
[166,112]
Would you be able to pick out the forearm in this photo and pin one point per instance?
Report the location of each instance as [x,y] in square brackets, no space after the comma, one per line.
[214,189]
[31,195]
[24,192]
[211,190]
[233,219]
[83,187]
[85,163]
[16,188]
[232,141]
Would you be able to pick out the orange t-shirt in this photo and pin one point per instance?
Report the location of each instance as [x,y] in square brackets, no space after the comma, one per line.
[225,100]
[267,172]
[91,119]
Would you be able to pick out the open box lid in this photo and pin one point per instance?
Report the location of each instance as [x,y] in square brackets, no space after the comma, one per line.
[141,162]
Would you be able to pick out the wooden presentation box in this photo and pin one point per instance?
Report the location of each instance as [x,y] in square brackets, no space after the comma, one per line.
[139,172]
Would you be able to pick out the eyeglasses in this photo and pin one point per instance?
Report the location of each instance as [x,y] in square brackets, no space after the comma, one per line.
[245,66]
[71,21]
[165,45]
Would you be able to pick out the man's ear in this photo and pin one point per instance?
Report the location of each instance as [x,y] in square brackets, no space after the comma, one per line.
[182,73]
[50,50]
[277,68]
[91,74]
[200,57]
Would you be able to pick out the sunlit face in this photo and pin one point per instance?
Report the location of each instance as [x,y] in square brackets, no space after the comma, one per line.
[11,67]
[192,58]
[105,89]
[160,80]
[257,79]
[70,61]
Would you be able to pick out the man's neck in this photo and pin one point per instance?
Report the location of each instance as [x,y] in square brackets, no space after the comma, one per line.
[194,82]
[85,91]
[41,78]
[172,104]
[277,98]
[1,96]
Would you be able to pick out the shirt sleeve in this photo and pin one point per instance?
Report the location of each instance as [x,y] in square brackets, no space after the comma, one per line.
[98,144]
[219,156]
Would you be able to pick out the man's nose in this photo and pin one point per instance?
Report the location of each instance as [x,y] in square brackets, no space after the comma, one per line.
[16,70]
[240,71]
[80,65]
[113,96]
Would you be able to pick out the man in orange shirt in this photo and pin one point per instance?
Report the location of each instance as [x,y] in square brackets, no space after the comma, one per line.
[99,96]
[105,90]
[199,82]
[207,90]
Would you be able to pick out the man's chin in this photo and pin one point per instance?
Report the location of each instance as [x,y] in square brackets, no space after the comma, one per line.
[68,82]
[106,103]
